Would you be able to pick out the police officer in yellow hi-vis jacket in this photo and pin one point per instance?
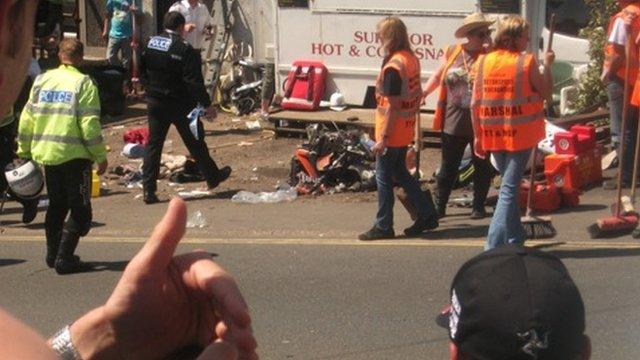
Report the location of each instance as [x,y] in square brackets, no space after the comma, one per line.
[60,129]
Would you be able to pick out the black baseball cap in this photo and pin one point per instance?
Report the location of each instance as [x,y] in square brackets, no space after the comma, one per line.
[513,303]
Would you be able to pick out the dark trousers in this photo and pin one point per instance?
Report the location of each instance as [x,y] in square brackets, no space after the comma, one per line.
[69,190]
[163,113]
[7,155]
[452,152]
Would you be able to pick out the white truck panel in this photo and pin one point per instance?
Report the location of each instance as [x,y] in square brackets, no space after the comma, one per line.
[342,34]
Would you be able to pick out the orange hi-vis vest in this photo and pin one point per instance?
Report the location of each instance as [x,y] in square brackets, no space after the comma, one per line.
[450,56]
[401,133]
[633,11]
[510,112]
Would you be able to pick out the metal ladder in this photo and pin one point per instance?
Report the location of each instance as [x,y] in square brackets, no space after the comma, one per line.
[216,46]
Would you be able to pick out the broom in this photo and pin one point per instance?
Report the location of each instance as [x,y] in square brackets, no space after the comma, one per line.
[538,227]
[535,227]
[618,224]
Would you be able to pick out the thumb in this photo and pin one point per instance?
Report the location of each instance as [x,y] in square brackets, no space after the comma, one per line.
[158,251]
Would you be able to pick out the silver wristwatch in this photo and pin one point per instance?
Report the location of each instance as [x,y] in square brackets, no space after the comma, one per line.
[62,345]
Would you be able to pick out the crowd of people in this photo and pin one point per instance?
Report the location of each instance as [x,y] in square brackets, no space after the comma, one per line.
[491,97]
[509,302]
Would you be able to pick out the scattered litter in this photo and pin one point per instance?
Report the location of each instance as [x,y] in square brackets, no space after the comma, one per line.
[43,203]
[463,201]
[245,143]
[172,184]
[254,178]
[253,125]
[286,193]
[133,151]
[254,169]
[173,162]
[197,220]
[137,196]
[117,127]
[193,194]
[132,184]
[236,120]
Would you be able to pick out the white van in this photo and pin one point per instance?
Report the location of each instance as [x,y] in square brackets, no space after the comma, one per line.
[341,33]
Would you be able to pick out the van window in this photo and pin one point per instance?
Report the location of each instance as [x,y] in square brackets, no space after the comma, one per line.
[571,15]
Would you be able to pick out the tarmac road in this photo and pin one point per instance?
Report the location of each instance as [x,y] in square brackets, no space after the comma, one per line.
[315,291]
[332,299]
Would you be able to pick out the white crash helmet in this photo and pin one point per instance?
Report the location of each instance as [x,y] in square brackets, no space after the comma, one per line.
[25,179]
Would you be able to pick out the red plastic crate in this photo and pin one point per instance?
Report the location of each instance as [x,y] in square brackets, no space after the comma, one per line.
[580,139]
[574,171]
[562,171]
[546,197]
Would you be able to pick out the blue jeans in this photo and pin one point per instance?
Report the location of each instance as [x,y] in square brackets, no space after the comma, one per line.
[389,167]
[505,225]
[119,45]
[615,92]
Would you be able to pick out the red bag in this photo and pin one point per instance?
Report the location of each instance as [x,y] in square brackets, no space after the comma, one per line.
[137,136]
[304,87]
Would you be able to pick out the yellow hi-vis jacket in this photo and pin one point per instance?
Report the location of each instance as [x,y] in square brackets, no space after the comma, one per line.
[61,120]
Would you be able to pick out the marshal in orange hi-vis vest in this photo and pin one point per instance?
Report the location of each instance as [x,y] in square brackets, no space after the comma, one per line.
[631,14]
[450,56]
[401,132]
[510,112]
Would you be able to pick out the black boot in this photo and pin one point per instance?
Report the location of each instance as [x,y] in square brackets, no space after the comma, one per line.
[441,200]
[30,210]
[223,175]
[149,197]
[66,262]
[53,244]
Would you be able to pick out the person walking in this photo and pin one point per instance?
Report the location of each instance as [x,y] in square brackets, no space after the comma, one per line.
[453,114]
[7,155]
[198,20]
[398,95]
[171,71]
[118,31]
[508,118]
[60,129]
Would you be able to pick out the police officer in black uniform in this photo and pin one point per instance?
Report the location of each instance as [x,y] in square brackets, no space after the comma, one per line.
[171,71]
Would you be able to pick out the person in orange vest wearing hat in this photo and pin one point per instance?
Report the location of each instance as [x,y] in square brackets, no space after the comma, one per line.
[622,25]
[453,114]
[399,97]
[508,117]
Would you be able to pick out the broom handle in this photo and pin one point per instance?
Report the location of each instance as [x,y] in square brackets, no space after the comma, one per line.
[625,110]
[552,29]
[418,144]
[532,179]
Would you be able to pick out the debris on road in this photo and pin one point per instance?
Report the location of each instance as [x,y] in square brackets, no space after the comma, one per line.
[194,194]
[197,220]
[333,161]
[285,193]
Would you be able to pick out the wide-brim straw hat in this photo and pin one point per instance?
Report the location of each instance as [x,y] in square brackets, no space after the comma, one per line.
[472,22]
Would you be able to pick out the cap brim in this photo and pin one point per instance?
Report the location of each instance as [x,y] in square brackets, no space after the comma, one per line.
[464,29]
[442,319]
[337,108]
